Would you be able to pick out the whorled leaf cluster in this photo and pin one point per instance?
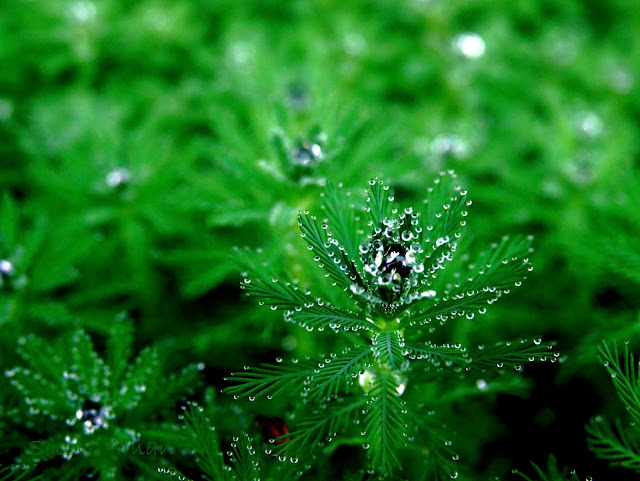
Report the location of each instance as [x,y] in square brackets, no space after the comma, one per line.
[391,265]
[99,416]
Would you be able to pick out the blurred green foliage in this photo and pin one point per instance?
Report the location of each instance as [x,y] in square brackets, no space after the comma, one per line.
[140,142]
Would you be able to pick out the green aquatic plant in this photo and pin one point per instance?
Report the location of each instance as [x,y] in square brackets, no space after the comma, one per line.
[392,292]
[619,442]
[85,415]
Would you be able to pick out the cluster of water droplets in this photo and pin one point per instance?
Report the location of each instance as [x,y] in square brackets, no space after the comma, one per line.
[93,416]
[307,154]
[174,473]
[297,159]
[392,259]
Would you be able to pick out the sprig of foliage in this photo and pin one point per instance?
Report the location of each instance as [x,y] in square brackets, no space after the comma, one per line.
[385,422]
[205,442]
[36,261]
[624,377]
[242,462]
[390,266]
[620,445]
[12,473]
[482,358]
[95,412]
[553,472]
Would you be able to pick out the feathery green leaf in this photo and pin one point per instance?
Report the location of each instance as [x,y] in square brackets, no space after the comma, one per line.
[384,423]
[332,256]
[341,217]
[205,443]
[378,204]
[327,316]
[388,349]
[316,428]
[338,371]
[268,379]
[624,377]
[619,446]
[503,354]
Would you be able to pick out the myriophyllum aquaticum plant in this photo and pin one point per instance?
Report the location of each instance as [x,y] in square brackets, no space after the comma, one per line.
[393,266]
[89,416]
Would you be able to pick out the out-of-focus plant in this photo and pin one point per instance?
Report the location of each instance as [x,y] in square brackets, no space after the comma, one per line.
[93,414]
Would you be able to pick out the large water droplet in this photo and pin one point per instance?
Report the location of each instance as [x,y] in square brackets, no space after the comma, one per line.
[469,44]
[118,177]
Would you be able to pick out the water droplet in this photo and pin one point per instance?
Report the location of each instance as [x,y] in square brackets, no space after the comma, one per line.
[118,177]
[82,11]
[6,269]
[590,124]
[469,44]
[537,341]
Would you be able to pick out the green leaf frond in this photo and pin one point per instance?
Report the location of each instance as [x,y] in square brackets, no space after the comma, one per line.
[279,295]
[89,367]
[140,374]
[493,275]
[48,392]
[439,195]
[444,214]
[432,444]
[328,251]
[299,306]
[445,355]
[341,216]
[624,377]
[318,428]
[619,445]
[204,441]
[13,473]
[378,201]
[337,371]
[553,473]
[388,348]
[268,380]
[119,349]
[243,462]
[385,423]
[504,266]
[321,315]
[325,377]
[514,354]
